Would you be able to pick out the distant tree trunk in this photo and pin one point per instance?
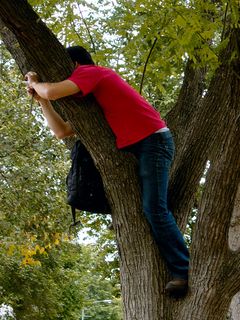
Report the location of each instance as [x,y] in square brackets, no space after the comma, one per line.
[214,134]
[234,244]
[234,312]
[234,230]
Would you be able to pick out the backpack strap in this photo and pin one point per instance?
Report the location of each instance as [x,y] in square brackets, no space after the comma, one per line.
[75,223]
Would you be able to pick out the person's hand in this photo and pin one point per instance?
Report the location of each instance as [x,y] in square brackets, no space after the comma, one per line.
[31,78]
[31,92]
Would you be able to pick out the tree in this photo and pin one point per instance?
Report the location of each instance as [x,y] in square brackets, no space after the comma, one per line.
[207,130]
[69,280]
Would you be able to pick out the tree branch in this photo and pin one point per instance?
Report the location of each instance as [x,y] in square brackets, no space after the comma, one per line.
[13,46]
[88,30]
[224,22]
[145,65]
[188,103]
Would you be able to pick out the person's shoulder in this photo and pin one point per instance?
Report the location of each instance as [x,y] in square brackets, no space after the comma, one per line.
[86,70]
[92,68]
[86,67]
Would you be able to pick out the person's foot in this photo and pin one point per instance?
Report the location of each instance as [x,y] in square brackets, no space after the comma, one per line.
[177,287]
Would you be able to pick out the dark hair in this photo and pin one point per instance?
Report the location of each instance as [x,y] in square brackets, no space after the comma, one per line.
[80,55]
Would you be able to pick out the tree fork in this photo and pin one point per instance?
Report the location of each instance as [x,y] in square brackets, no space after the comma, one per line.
[220,271]
[205,131]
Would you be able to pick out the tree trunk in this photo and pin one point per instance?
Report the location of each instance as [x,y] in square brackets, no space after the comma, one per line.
[213,135]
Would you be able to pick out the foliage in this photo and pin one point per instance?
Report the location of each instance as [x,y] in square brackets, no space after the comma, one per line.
[67,282]
[32,171]
[120,34]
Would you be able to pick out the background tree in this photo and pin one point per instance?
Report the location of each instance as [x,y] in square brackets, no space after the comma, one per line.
[207,125]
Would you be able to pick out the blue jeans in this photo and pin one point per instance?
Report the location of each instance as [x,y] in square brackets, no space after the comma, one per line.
[155,155]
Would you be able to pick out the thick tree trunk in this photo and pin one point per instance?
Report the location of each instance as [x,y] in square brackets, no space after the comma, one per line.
[214,135]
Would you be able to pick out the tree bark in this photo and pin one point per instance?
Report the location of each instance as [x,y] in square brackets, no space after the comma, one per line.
[181,122]
[213,135]
[181,115]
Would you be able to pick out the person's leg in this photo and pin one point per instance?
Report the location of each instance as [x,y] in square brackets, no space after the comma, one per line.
[155,154]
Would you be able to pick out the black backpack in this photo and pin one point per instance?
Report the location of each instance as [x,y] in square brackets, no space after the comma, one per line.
[84,184]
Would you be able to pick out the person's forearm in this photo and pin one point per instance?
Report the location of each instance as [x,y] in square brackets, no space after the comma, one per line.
[60,128]
[51,91]
[56,90]
[43,89]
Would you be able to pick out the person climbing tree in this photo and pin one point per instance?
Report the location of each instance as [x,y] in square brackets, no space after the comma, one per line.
[140,130]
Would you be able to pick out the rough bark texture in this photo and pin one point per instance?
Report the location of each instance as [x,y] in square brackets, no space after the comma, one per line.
[214,134]
[180,117]
[181,121]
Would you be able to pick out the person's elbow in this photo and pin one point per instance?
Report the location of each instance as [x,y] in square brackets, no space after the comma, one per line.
[63,133]
[60,135]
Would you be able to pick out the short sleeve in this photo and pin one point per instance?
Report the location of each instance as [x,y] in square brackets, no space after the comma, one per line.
[86,77]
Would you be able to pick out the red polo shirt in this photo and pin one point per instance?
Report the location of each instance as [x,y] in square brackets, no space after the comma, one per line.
[129,115]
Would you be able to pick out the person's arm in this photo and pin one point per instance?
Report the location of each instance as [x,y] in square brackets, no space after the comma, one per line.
[60,128]
[51,91]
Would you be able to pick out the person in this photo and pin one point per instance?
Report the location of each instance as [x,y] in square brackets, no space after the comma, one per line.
[139,129]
